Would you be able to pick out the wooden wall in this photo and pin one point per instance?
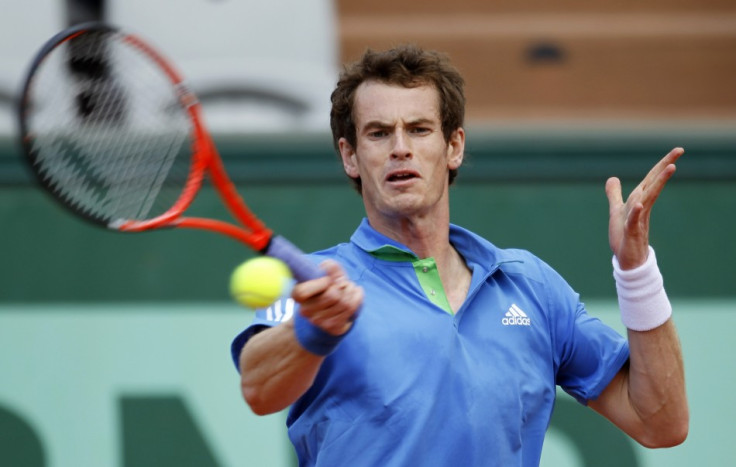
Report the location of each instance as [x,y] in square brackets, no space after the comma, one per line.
[572,59]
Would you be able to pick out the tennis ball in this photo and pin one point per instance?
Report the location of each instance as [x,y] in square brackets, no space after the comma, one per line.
[258,282]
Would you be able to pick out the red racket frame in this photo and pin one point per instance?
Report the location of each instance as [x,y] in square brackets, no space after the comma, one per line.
[205,160]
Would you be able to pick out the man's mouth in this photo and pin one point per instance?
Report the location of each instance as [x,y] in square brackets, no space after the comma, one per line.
[401,175]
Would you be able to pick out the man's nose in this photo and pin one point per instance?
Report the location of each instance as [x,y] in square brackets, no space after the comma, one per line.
[401,147]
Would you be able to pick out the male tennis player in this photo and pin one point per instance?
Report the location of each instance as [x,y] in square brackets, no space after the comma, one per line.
[426,345]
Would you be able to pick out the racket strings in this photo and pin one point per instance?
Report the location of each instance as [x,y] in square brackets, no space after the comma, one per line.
[107,130]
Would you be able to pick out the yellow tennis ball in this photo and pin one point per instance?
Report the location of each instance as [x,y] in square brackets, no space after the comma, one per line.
[258,282]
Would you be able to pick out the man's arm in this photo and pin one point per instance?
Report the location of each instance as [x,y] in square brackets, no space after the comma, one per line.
[646,399]
[275,369]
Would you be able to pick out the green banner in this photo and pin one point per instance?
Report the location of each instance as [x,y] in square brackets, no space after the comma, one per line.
[150,385]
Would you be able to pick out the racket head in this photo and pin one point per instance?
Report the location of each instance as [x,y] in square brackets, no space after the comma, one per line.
[109,129]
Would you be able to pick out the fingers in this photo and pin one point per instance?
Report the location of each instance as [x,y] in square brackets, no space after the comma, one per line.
[613,192]
[337,318]
[661,172]
[650,187]
[629,221]
[331,301]
[635,216]
[670,158]
[312,288]
[666,161]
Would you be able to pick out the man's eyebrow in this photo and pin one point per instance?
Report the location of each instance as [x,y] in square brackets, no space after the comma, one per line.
[377,124]
[383,125]
[422,121]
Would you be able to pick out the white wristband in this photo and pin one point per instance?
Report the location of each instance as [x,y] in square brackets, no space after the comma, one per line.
[641,297]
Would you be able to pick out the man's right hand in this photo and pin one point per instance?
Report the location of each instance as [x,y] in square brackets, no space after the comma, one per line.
[330,302]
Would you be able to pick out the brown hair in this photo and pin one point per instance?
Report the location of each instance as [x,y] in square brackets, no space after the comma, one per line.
[408,66]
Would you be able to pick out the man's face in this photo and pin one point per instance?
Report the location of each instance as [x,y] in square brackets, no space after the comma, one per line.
[401,155]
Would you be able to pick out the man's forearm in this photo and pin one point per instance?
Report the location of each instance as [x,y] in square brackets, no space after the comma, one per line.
[656,384]
[275,369]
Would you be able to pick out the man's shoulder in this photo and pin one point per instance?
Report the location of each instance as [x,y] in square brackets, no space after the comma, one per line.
[510,260]
[331,252]
[344,253]
[472,244]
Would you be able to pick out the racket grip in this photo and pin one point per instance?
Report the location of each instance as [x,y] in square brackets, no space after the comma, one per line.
[301,266]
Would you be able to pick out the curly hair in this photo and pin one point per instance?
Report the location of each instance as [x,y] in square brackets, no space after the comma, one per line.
[408,66]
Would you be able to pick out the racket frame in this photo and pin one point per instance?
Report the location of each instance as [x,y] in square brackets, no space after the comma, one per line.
[205,159]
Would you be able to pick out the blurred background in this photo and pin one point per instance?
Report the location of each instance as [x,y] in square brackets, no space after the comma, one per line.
[114,348]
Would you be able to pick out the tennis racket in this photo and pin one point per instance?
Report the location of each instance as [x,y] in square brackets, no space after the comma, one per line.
[112,132]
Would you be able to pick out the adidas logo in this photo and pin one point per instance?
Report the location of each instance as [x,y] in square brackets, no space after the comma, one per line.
[516,317]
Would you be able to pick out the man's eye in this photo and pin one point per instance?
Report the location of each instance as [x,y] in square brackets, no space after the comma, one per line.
[377,134]
[420,130]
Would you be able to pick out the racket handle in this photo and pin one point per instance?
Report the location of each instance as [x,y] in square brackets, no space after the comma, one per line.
[301,266]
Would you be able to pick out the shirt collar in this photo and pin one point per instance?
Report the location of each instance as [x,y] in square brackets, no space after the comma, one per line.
[477,251]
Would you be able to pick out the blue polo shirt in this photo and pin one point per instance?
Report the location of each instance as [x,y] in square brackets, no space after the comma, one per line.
[414,384]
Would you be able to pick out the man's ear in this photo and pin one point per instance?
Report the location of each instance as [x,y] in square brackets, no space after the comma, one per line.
[456,149]
[349,162]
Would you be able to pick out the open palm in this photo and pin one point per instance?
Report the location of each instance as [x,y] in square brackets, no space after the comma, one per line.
[628,227]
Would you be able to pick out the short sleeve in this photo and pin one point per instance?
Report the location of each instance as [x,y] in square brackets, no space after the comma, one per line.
[595,354]
[588,352]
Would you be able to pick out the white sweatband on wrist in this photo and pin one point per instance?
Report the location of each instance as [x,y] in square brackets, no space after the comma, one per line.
[641,296]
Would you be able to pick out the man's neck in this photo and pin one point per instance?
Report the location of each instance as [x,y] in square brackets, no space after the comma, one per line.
[425,236]
[430,237]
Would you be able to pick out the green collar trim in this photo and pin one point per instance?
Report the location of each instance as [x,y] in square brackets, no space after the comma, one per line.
[393,253]
[425,270]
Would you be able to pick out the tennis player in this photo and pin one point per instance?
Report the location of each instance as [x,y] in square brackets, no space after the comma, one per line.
[425,344]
